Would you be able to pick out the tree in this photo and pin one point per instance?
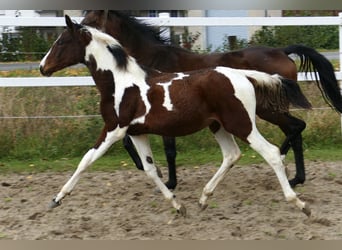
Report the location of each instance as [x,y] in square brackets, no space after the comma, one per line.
[26,44]
[319,37]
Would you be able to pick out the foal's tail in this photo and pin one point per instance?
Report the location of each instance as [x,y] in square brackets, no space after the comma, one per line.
[294,94]
[312,61]
[273,92]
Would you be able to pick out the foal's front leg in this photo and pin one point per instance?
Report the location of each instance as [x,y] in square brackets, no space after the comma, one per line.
[106,140]
[231,154]
[143,147]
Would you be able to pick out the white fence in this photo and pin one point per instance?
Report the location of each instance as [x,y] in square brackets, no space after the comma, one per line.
[164,21]
[169,21]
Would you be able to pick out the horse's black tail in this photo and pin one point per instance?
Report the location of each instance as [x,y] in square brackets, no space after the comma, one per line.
[312,61]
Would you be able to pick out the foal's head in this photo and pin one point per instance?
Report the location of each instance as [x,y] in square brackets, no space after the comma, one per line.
[82,44]
[68,49]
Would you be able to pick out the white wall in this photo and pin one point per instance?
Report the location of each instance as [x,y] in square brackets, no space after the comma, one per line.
[201,42]
[216,34]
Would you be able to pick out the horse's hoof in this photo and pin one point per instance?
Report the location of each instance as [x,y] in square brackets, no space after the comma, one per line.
[295,181]
[53,204]
[306,210]
[182,211]
[202,206]
[170,185]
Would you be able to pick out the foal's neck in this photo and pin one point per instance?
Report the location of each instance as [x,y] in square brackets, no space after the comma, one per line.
[100,61]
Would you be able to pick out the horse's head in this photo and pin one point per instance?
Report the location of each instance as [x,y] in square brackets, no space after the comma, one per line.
[124,27]
[112,22]
[67,50]
[95,18]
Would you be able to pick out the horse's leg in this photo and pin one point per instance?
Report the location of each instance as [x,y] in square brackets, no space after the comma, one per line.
[170,152]
[296,143]
[128,144]
[231,154]
[143,147]
[272,156]
[292,128]
[106,139]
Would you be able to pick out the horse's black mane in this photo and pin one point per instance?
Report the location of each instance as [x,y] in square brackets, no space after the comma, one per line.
[151,32]
[147,31]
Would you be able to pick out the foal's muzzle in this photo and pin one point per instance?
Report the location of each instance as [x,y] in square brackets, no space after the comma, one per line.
[43,72]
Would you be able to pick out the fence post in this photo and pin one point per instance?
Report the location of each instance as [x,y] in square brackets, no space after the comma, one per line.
[340,53]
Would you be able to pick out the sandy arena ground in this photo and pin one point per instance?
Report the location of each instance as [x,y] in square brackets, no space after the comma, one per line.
[248,204]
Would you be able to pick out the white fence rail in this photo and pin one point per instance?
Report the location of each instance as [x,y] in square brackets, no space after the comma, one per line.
[184,21]
[170,21]
[81,81]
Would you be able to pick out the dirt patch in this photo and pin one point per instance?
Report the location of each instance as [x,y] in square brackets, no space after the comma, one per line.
[248,204]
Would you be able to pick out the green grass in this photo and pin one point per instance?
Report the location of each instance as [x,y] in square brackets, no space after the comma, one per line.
[35,145]
[120,161]
[71,71]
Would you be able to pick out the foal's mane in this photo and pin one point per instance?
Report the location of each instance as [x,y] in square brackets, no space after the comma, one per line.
[105,38]
[114,47]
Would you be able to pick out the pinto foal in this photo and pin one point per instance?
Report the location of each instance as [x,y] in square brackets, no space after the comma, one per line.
[140,101]
[149,48]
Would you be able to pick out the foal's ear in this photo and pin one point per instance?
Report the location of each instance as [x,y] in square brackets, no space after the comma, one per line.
[69,23]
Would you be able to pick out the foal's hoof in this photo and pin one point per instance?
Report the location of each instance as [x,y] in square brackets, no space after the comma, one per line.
[53,204]
[202,206]
[306,210]
[182,211]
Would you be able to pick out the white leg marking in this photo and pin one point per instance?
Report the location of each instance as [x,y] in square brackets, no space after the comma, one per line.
[231,154]
[272,156]
[282,157]
[91,156]
[142,145]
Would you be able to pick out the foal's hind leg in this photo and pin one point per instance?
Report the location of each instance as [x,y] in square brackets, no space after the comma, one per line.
[231,154]
[292,128]
[272,156]
[142,145]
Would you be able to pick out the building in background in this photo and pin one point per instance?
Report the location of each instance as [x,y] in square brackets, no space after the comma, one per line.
[204,37]
[212,37]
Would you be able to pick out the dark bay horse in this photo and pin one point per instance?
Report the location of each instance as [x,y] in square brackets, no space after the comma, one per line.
[144,43]
[138,101]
